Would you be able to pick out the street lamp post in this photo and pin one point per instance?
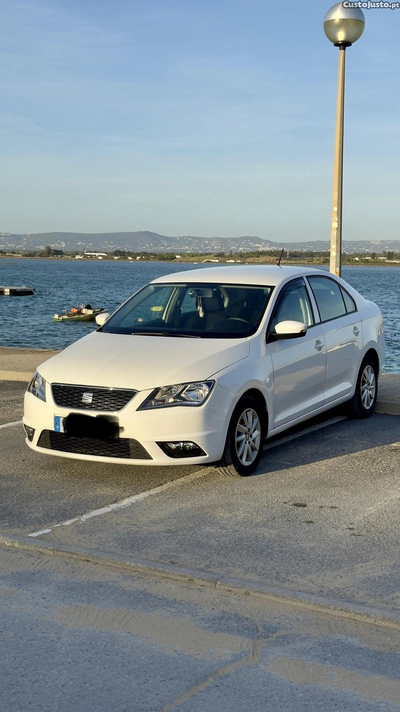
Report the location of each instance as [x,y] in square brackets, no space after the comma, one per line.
[343,26]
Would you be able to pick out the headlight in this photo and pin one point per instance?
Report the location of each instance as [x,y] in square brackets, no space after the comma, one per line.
[37,386]
[180,394]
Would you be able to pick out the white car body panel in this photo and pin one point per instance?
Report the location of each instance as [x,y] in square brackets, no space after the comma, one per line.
[203,426]
[141,362]
[344,344]
[298,390]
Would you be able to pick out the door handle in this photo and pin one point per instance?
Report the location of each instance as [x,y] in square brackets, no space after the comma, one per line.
[319,345]
[356,331]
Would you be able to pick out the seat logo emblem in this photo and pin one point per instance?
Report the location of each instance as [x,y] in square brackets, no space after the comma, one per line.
[87,398]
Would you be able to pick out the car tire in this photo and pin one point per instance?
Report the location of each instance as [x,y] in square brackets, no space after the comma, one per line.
[245,439]
[362,404]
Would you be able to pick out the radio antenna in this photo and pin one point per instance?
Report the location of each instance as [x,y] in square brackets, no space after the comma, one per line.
[280,257]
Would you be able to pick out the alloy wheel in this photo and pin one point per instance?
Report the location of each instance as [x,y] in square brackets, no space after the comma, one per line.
[248,437]
[368,387]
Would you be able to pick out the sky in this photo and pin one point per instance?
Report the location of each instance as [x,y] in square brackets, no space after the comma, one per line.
[194,117]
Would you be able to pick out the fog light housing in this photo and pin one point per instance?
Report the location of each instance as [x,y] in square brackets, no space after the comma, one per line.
[182,448]
[29,432]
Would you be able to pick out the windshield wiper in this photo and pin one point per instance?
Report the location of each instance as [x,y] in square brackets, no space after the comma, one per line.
[164,333]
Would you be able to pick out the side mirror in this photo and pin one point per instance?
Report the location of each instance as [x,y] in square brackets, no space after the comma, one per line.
[102,318]
[289,330]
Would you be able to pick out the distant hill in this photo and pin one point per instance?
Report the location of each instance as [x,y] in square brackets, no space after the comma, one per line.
[145,241]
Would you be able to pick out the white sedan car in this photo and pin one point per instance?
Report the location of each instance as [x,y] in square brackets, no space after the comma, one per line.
[201,366]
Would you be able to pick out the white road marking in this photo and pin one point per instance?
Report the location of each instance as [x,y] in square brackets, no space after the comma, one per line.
[129,501]
[44,531]
[10,425]
[126,502]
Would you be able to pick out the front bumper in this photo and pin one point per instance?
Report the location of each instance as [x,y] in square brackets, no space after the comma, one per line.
[140,431]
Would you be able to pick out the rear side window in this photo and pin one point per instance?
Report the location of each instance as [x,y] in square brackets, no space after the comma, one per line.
[332,301]
[349,302]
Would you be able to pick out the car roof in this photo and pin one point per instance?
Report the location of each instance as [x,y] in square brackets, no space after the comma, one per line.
[268,275]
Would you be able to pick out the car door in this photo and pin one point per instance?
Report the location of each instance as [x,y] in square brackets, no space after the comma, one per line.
[298,364]
[342,328]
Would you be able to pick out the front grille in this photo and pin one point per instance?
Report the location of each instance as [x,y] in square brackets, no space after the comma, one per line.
[91,398]
[125,448]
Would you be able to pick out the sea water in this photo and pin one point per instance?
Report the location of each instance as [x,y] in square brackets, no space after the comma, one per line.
[61,284]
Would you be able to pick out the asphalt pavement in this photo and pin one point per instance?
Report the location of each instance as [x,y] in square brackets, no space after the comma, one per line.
[277,591]
[82,636]
[318,521]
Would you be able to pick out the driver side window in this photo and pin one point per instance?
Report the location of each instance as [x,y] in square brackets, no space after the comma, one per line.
[293,305]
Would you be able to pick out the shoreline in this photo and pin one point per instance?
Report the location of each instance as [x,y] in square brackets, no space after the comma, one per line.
[317,262]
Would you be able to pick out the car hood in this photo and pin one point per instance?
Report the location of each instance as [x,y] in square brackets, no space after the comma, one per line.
[141,362]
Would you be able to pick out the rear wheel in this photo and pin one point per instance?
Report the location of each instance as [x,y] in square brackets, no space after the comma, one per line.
[245,439]
[362,405]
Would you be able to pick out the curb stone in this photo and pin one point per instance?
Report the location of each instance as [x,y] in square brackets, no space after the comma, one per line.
[225,584]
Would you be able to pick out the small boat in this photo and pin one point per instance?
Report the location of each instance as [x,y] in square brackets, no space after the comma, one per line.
[82,313]
[16,291]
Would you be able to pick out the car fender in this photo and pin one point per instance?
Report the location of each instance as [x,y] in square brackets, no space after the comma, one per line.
[236,381]
[374,338]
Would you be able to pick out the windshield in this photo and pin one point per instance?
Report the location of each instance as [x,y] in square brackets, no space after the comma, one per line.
[192,310]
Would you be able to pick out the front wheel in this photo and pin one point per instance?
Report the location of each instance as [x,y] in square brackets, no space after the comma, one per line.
[245,439]
[362,404]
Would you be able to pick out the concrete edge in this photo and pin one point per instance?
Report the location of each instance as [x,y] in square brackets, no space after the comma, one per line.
[29,349]
[16,376]
[307,602]
[386,407]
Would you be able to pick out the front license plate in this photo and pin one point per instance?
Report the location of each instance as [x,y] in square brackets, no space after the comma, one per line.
[86,426]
